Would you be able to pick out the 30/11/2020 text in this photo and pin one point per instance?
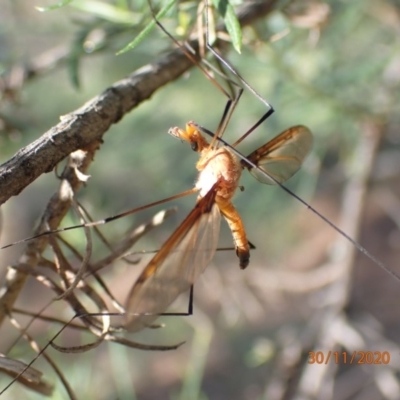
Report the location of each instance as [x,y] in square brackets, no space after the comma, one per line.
[356,357]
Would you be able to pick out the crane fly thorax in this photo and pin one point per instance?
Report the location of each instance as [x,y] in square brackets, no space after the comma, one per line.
[218,165]
[215,164]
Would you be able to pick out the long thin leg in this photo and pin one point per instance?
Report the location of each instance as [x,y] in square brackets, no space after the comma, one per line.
[226,64]
[190,307]
[104,221]
[233,98]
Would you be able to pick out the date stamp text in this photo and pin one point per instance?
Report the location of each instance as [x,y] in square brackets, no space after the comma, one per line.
[343,357]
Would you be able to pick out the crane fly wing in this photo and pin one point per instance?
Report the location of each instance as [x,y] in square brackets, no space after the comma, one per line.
[176,266]
[281,157]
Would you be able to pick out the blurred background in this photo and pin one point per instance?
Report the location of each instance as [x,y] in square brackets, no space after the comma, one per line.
[333,66]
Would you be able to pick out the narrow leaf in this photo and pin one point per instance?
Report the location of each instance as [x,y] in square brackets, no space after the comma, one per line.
[148,28]
[232,24]
[60,4]
[233,27]
[106,11]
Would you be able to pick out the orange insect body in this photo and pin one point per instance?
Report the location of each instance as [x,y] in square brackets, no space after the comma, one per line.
[219,166]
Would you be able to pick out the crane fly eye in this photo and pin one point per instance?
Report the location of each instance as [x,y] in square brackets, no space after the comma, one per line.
[194,146]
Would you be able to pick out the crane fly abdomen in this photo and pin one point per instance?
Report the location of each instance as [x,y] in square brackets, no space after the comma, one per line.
[235,224]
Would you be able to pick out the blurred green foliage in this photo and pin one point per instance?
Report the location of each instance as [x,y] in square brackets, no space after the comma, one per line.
[330,73]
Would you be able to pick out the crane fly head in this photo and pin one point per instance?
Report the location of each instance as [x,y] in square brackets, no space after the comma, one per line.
[192,135]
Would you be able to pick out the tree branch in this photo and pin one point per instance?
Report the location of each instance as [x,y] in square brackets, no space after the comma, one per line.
[90,122]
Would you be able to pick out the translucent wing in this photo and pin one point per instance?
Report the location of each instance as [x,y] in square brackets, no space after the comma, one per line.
[176,266]
[281,157]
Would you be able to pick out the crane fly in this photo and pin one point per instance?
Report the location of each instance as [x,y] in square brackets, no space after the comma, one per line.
[188,251]
[191,247]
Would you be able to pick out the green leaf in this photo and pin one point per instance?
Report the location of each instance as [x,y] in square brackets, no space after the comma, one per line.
[102,10]
[62,3]
[234,28]
[148,28]
[232,24]
[106,11]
